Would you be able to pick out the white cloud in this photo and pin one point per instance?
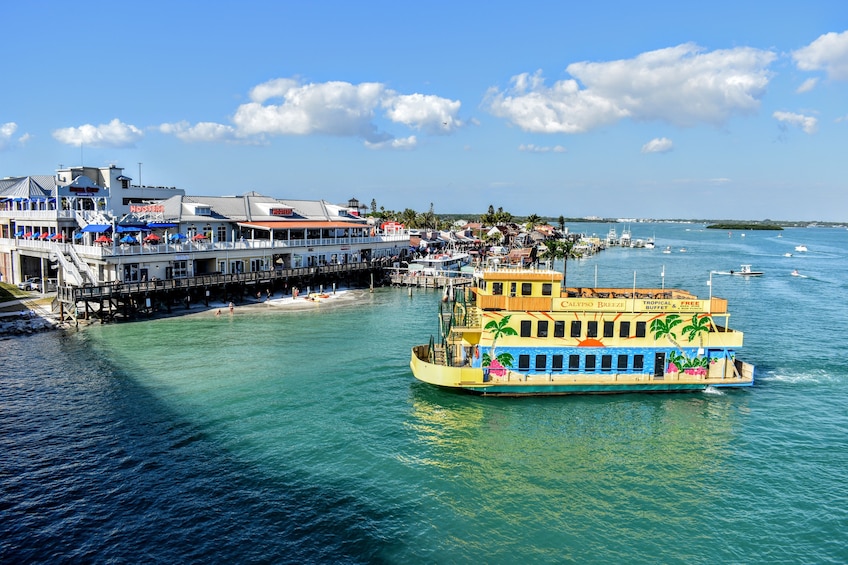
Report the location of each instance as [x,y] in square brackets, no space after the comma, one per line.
[113,134]
[202,131]
[530,148]
[807,123]
[807,85]
[7,130]
[658,145]
[681,85]
[286,106]
[829,53]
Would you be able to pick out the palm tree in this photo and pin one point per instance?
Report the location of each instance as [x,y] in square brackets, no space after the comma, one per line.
[532,221]
[499,329]
[559,249]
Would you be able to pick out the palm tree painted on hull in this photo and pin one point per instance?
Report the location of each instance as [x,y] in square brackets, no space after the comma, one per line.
[664,327]
[498,328]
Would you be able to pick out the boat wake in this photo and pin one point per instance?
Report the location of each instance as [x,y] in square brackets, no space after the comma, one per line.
[714,391]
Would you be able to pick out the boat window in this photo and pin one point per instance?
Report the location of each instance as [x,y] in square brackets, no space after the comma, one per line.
[592,329]
[576,328]
[638,362]
[523,362]
[640,329]
[608,329]
[547,289]
[622,362]
[542,328]
[606,362]
[541,362]
[525,328]
[497,288]
[590,362]
[573,362]
[526,289]
[624,329]
[559,328]
[556,363]
[512,287]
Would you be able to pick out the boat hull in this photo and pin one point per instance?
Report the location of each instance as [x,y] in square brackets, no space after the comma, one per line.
[476,380]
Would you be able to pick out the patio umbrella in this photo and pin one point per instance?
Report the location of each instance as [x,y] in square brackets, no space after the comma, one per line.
[177,236]
[102,239]
[199,237]
[152,237]
[128,239]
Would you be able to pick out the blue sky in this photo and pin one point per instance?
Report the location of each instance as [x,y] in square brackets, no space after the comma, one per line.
[614,109]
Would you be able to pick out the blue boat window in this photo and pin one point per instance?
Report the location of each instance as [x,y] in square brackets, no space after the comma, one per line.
[526,289]
[541,363]
[547,289]
[573,362]
[640,329]
[606,362]
[638,362]
[590,362]
[622,362]
[609,329]
[576,328]
[497,288]
[542,328]
[592,329]
[624,329]
[559,328]
[525,328]
[556,363]
[523,362]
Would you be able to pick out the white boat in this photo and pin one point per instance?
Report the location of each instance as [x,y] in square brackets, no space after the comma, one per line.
[787,254]
[667,250]
[800,248]
[440,264]
[745,271]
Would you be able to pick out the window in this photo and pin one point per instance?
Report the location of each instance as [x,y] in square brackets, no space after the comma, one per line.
[512,287]
[606,362]
[590,362]
[523,362]
[541,363]
[526,289]
[573,362]
[525,328]
[640,329]
[180,269]
[624,329]
[622,362]
[497,288]
[556,363]
[547,289]
[638,362]
[576,327]
[542,328]
[559,328]
[221,233]
[592,329]
[609,330]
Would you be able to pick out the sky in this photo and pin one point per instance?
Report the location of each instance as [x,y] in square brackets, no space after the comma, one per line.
[653,109]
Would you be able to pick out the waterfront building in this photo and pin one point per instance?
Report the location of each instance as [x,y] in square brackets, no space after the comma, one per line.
[89,226]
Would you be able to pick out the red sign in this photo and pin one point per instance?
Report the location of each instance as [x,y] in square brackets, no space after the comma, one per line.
[147,209]
[281,211]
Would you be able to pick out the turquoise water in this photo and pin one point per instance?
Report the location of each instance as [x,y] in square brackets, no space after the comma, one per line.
[302,436]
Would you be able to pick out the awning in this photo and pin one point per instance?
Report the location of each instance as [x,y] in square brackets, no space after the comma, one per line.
[299,225]
[96,228]
[130,229]
[161,225]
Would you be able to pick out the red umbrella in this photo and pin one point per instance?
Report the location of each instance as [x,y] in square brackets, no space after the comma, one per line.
[199,236]
[152,237]
[102,239]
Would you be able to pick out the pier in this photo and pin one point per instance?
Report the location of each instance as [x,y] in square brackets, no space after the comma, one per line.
[127,301]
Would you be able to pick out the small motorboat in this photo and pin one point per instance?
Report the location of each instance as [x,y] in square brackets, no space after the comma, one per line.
[746,271]
[801,248]
[787,254]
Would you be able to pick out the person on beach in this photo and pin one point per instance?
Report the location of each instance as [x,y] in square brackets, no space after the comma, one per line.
[232,307]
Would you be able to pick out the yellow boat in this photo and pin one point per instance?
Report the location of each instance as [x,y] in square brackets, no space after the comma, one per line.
[519,332]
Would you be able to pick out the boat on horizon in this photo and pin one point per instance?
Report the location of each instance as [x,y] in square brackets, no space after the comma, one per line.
[520,333]
[744,271]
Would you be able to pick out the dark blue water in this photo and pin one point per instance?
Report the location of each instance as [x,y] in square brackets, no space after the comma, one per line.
[302,437]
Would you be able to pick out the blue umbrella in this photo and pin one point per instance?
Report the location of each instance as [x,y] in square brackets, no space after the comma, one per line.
[177,236]
[128,239]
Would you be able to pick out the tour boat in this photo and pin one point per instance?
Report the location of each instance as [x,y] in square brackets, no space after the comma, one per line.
[518,332]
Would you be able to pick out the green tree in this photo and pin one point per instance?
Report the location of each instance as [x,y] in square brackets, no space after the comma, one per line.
[532,221]
[373,207]
[559,249]
[561,222]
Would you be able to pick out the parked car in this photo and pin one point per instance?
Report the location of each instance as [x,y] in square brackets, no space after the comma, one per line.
[32,283]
